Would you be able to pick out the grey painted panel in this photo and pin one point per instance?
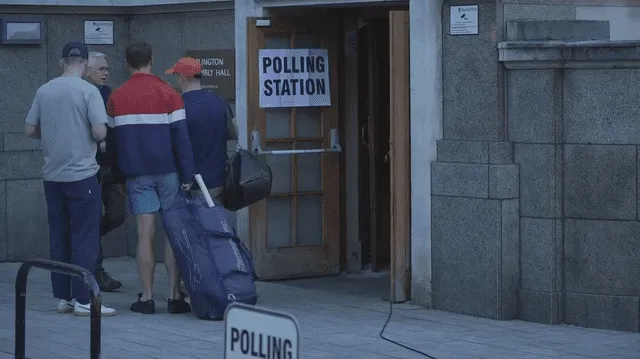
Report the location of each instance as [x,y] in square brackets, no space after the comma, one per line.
[3,221]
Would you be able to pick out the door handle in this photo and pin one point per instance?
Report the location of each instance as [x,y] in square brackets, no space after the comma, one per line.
[364,138]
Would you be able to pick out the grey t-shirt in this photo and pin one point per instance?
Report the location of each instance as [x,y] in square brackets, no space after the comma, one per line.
[65,108]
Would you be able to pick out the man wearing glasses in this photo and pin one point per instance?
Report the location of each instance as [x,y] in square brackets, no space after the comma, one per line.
[112,180]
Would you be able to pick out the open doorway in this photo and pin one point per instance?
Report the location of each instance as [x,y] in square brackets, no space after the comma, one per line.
[373,157]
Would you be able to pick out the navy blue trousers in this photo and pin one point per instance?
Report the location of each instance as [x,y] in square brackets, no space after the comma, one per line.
[74,210]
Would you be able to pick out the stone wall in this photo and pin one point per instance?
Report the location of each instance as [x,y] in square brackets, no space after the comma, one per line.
[475,225]
[23,219]
[572,110]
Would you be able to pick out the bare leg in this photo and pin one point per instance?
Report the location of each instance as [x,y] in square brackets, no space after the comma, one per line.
[145,256]
[173,272]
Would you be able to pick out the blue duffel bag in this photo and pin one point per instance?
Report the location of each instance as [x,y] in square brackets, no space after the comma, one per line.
[216,267]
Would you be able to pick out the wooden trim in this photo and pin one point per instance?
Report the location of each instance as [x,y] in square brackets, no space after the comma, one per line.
[400,156]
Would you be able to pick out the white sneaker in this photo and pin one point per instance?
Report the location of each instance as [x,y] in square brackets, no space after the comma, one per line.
[84,310]
[66,306]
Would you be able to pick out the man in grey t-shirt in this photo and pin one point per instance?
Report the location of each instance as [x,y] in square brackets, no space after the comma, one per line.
[69,117]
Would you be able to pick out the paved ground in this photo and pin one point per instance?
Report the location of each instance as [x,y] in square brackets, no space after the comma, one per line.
[340,318]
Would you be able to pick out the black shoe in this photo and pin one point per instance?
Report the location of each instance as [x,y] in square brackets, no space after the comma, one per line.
[105,282]
[178,306]
[146,307]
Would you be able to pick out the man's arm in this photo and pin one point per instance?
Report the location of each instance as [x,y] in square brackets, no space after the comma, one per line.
[32,122]
[180,138]
[97,114]
[232,126]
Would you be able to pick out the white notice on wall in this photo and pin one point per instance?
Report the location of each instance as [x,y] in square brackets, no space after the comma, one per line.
[294,78]
[464,20]
[98,32]
[252,332]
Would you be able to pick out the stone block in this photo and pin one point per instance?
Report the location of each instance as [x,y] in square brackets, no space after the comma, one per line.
[21,165]
[540,307]
[504,181]
[601,257]
[27,226]
[540,180]
[3,222]
[600,182]
[602,311]
[468,235]
[63,28]
[461,180]
[601,106]
[529,11]
[500,153]
[470,81]
[20,142]
[509,277]
[531,105]
[463,151]
[557,30]
[541,254]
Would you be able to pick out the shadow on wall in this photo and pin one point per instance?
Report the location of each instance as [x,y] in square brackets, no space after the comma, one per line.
[23,219]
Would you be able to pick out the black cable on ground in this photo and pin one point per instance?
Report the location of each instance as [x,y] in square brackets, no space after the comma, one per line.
[395,342]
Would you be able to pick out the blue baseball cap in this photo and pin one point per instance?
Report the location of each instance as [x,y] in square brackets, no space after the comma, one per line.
[75,49]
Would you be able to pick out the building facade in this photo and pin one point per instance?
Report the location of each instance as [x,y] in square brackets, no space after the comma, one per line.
[487,152]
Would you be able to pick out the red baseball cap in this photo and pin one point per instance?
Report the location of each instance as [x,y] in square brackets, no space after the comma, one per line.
[187,66]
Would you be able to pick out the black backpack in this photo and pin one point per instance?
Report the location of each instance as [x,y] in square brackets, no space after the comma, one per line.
[248,180]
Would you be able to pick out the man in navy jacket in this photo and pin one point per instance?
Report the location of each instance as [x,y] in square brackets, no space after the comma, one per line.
[112,181]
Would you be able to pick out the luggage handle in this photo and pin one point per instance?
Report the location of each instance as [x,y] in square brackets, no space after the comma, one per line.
[62,268]
[205,192]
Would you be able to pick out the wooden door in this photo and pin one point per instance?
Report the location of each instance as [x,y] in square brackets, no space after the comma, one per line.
[296,231]
[400,156]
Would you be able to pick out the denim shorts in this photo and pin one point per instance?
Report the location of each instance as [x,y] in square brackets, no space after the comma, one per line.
[152,193]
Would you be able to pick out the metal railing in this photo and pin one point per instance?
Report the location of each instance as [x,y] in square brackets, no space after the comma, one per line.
[62,268]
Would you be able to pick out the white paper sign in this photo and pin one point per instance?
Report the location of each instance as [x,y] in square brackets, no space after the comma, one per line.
[252,332]
[98,32]
[464,20]
[294,78]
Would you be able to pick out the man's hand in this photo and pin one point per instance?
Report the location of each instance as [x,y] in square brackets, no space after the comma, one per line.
[186,186]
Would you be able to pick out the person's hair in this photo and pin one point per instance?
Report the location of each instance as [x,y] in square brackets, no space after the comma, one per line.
[93,56]
[138,55]
[73,61]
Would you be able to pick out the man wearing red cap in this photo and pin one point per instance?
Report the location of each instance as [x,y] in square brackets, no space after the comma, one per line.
[210,123]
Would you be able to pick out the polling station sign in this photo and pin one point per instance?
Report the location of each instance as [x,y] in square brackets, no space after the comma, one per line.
[294,78]
[252,332]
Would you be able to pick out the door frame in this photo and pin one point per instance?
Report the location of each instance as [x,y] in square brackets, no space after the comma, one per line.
[400,156]
[256,121]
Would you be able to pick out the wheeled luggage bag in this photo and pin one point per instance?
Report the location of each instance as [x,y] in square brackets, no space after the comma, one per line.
[216,267]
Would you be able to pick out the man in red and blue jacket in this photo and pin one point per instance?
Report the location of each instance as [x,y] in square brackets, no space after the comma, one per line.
[154,154]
